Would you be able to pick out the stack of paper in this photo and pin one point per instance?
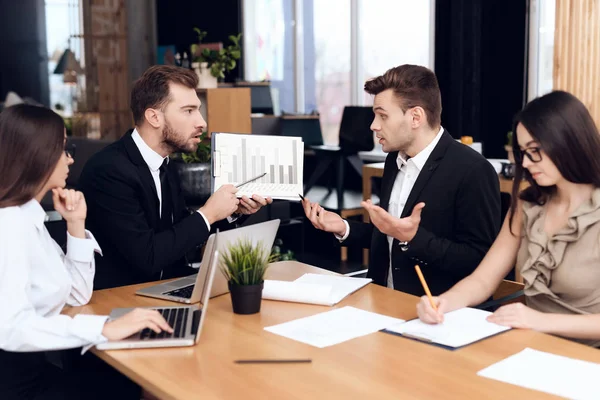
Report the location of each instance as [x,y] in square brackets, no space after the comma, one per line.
[460,327]
[333,327]
[558,375]
[326,290]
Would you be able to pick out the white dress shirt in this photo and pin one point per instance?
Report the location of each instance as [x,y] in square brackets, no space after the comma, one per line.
[36,281]
[408,172]
[154,161]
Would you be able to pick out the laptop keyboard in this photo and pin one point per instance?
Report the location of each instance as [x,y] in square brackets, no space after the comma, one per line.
[177,319]
[184,292]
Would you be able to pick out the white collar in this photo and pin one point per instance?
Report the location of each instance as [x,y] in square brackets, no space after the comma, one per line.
[421,158]
[34,211]
[152,158]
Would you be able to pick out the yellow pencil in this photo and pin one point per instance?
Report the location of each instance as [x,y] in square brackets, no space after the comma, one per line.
[425,287]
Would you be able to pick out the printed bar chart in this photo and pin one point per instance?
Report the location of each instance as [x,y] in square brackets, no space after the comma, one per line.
[243,157]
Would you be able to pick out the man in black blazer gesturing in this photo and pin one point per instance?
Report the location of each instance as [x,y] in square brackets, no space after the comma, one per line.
[135,204]
[440,200]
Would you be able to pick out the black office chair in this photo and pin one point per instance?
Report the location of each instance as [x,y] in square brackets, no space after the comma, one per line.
[355,136]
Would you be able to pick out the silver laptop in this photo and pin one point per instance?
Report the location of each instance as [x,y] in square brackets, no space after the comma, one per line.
[189,289]
[186,321]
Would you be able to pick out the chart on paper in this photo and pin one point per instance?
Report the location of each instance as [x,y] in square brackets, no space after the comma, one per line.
[238,158]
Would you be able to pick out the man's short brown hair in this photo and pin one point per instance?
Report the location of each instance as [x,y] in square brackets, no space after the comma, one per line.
[414,86]
[151,90]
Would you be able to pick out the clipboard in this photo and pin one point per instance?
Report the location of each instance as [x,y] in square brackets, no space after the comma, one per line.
[460,328]
[281,158]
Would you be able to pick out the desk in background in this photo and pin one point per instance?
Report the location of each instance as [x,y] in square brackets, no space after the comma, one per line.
[373,366]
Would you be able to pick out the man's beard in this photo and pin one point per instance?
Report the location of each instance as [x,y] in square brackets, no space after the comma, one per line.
[176,142]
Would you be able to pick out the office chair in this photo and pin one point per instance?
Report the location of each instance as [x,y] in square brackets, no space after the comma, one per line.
[355,135]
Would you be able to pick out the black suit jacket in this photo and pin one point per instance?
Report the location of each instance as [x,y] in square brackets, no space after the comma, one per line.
[459,223]
[123,215]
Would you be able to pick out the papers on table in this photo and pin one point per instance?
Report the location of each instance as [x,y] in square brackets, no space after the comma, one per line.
[460,327]
[326,290]
[550,373]
[333,327]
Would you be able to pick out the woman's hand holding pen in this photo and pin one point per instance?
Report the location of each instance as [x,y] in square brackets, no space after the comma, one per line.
[428,314]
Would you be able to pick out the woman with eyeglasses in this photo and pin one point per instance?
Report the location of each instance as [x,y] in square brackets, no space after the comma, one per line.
[36,278]
[551,234]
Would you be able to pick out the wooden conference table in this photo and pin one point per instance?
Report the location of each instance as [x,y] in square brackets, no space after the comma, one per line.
[378,366]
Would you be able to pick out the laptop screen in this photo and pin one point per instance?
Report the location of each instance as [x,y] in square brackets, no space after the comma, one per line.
[212,265]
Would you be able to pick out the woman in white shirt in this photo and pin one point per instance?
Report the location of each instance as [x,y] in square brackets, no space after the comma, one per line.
[36,278]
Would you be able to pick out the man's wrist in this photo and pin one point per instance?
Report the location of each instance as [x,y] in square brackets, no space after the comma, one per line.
[208,215]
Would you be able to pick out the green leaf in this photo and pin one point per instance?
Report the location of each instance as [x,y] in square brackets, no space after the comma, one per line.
[244,263]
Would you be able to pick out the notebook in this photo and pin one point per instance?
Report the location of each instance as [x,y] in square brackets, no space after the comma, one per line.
[460,328]
[325,290]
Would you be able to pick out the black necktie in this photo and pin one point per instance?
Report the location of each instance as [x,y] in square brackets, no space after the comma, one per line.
[166,211]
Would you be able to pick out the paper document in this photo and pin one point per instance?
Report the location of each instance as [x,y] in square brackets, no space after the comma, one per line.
[460,327]
[341,286]
[240,157]
[325,290]
[296,292]
[546,372]
[333,327]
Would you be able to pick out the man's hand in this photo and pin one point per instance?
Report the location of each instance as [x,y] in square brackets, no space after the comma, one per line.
[323,219]
[249,206]
[403,229]
[221,204]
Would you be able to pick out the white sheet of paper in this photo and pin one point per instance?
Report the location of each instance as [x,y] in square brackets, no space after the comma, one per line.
[460,327]
[342,286]
[549,373]
[238,158]
[297,292]
[333,327]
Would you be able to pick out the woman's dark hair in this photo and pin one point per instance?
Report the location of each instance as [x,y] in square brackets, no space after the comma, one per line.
[31,143]
[564,129]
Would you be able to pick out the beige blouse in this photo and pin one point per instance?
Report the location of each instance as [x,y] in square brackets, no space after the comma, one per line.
[562,273]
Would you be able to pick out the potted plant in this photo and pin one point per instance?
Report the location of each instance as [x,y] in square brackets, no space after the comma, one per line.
[509,147]
[194,172]
[212,62]
[244,266]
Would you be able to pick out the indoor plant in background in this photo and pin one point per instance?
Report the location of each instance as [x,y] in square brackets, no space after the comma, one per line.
[244,265]
[211,61]
[194,173]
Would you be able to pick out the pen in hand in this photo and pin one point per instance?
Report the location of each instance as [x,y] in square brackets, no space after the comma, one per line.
[425,287]
[251,180]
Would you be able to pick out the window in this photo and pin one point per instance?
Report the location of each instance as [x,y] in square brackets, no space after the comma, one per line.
[328,64]
[541,47]
[394,32]
[343,43]
[268,40]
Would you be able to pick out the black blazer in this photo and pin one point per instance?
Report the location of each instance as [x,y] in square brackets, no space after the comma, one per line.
[459,223]
[123,215]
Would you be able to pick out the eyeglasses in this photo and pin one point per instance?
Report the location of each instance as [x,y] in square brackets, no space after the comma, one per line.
[70,150]
[533,153]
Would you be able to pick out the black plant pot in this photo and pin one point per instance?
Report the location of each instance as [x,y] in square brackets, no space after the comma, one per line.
[195,182]
[245,299]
